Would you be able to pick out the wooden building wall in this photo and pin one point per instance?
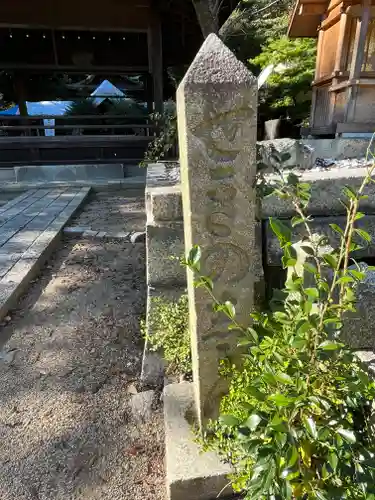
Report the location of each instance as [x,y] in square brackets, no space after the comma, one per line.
[108,15]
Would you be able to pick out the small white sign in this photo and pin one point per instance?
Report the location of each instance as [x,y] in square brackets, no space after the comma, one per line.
[49,132]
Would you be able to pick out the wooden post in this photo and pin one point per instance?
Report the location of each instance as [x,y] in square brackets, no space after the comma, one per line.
[358,55]
[341,43]
[155,58]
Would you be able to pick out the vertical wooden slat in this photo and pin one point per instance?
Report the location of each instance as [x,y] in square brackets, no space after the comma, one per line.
[155,58]
[340,52]
[360,39]
[357,60]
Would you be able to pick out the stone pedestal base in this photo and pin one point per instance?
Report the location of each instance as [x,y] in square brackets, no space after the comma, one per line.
[191,474]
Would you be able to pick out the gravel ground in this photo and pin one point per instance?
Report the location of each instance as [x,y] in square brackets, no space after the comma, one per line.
[69,365]
[119,211]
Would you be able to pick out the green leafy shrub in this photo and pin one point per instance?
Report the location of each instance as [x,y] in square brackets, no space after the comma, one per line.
[169,327]
[297,421]
[166,134]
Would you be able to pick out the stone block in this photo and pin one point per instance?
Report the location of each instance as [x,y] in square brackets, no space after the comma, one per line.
[326,193]
[191,474]
[291,152]
[358,328]
[89,233]
[75,230]
[338,149]
[165,246]
[321,225]
[165,204]
[141,405]
[51,173]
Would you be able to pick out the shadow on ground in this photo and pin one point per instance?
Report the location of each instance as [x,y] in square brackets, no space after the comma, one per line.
[70,364]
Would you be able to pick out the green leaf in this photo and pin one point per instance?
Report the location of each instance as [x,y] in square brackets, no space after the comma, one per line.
[207,282]
[349,193]
[311,427]
[253,421]
[281,230]
[270,475]
[229,420]
[283,378]
[333,460]
[280,399]
[347,435]
[255,393]
[312,293]
[310,268]
[292,456]
[363,234]
[331,260]
[250,332]
[229,309]
[194,255]
[359,275]
[292,179]
[308,249]
[320,495]
[297,220]
[329,345]
[337,229]
[359,215]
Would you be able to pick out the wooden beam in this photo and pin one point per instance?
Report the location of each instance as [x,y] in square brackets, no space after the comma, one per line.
[339,61]
[319,54]
[155,58]
[74,69]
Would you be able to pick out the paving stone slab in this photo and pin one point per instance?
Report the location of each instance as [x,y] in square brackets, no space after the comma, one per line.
[27,237]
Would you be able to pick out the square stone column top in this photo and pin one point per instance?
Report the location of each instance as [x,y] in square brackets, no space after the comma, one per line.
[162,174]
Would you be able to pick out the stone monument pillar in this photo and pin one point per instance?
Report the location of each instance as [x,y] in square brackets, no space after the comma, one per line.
[217,123]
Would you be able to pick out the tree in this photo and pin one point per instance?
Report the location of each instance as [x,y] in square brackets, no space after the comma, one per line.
[287,93]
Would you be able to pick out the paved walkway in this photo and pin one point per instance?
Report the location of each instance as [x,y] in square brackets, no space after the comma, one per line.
[29,224]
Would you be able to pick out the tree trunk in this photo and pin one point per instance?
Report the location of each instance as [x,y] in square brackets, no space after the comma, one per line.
[208,21]
[232,24]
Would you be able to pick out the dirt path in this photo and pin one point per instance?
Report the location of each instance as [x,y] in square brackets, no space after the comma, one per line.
[68,377]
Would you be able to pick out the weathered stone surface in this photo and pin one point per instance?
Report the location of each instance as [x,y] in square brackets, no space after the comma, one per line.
[291,152]
[68,172]
[29,229]
[339,148]
[165,204]
[191,474]
[217,103]
[358,330]
[321,225]
[326,193]
[165,246]
[138,237]
[141,405]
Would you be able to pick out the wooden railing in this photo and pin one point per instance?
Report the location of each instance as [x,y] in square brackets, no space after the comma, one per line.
[76,139]
[75,125]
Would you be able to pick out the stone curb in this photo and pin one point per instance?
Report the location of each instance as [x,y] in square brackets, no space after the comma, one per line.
[87,232]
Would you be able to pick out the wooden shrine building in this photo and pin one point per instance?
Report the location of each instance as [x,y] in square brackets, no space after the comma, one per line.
[44,41]
[344,85]
[123,36]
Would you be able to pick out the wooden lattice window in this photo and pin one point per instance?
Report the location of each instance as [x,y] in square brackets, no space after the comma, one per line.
[369,55]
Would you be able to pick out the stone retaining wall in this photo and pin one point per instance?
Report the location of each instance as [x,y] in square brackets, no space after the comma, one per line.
[165,240]
[164,247]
